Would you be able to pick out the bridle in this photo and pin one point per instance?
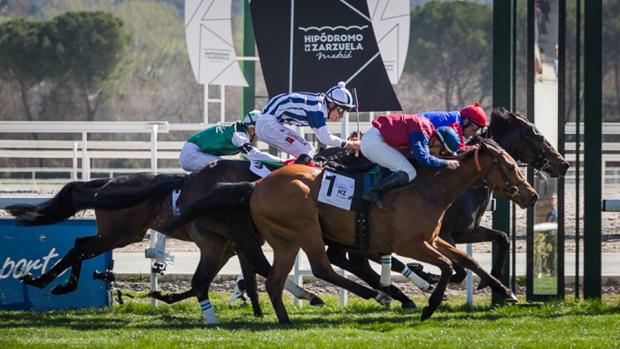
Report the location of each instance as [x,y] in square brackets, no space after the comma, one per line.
[509,188]
[541,163]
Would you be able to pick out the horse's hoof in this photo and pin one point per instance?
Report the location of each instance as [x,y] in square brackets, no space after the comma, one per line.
[511,298]
[160,297]
[383,299]
[429,290]
[316,302]
[258,313]
[426,313]
[154,294]
[482,284]
[456,279]
[432,278]
[26,279]
[409,305]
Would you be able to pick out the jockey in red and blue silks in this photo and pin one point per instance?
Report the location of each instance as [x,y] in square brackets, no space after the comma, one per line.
[466,122]
[415,133]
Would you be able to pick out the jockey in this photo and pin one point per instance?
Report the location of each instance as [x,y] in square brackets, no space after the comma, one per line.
[209,144]
[413,133]
[467,122]
[304,109]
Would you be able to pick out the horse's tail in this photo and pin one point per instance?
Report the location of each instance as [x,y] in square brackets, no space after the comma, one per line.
[128,191]
[222,196]
[63,205]
[116,193]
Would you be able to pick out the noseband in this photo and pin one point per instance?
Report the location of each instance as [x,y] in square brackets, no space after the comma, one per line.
[509,188]
[541,163]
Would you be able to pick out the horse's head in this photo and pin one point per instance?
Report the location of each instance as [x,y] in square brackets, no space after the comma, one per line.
[524,142]
[501,173]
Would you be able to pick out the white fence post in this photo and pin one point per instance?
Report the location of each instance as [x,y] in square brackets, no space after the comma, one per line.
[222,104]
[74,171]
[85,159]
[470,279]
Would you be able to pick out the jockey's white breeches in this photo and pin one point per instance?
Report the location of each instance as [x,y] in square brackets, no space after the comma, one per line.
[193,159]
[272,132]
[376,150]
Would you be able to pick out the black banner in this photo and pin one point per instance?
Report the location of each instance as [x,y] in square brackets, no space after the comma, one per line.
[332,40]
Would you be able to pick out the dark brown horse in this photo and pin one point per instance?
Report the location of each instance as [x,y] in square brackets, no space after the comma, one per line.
[285,210]
[127,206]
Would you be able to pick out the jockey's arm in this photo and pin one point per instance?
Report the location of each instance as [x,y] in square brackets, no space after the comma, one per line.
[241,140]
[422,154]
[327,138]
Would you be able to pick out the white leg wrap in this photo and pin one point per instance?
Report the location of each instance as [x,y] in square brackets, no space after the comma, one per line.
[208,313]
[386,270]
[418,281]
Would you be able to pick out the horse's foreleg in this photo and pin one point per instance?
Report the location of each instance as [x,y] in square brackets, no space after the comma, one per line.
[211,261]
[321,268]
[359,266]
[468,262]
[426,253]
[483,234]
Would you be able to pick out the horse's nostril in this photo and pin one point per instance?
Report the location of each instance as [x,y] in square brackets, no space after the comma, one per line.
[534,197]
[565,166]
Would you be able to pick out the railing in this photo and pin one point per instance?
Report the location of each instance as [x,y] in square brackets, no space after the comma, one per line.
[81,152]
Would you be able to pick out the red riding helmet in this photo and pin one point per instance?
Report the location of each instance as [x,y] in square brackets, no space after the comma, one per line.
[475,113]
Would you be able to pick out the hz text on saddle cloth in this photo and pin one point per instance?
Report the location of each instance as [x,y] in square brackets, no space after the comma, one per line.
[337,190]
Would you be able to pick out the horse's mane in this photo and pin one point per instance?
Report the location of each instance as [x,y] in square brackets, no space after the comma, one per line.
[501,119]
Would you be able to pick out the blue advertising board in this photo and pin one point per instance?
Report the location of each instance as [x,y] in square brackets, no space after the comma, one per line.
[37,250]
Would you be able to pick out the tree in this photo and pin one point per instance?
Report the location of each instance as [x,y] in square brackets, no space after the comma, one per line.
[88,47]
[450,51]
[23,48]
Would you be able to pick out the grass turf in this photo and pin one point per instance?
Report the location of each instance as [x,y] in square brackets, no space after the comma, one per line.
[362,324]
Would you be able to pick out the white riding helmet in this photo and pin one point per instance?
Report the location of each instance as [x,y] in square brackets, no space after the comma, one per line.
[249,119]
[340,96]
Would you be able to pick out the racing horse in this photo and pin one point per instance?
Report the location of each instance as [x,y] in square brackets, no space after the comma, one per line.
[285,210]
[127,206]
[461,223]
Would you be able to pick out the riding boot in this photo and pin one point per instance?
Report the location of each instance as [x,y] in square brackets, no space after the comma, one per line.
[392,181]
[303,159]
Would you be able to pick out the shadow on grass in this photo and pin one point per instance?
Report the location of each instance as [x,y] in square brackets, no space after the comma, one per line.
[364,317]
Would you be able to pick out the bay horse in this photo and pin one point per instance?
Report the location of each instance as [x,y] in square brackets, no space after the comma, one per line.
[461,223]
[285,210]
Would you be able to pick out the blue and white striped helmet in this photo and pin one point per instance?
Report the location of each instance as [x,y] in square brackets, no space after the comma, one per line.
[340,96]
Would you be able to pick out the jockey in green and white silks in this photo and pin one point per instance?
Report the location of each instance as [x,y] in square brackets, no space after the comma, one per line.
[210,144]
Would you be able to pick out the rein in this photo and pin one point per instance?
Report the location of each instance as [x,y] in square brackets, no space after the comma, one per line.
[511,189]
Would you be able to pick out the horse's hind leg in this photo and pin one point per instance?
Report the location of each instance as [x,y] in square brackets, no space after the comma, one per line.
[170,298]
[247,241]
[249,276]
[82,249]
[462,258]
[284,253]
